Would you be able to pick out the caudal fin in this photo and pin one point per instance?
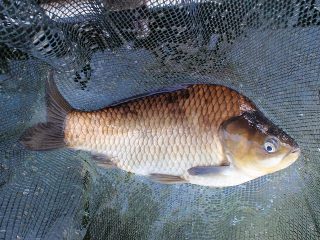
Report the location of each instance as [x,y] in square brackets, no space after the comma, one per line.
[49,135]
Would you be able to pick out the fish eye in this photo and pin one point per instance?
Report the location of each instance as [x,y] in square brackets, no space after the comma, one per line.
[271,145]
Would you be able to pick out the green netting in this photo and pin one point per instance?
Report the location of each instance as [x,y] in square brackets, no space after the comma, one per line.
[102,51]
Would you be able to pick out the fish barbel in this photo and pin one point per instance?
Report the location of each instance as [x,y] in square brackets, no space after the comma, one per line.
[201,134]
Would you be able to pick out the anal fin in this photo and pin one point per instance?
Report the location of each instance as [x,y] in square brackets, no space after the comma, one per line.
[166,178]
[103,161]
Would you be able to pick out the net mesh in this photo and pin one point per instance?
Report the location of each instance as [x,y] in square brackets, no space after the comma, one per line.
[102,51]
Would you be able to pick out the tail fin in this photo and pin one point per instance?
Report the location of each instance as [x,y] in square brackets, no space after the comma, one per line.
[49,135]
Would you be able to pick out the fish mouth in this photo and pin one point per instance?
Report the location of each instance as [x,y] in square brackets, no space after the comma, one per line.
[296,150]
[292,156]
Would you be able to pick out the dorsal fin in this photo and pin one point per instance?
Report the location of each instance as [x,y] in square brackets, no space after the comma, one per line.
[152,93]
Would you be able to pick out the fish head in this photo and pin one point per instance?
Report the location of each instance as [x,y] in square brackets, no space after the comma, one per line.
[256,146]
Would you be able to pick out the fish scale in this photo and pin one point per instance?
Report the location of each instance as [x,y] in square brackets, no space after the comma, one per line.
[164,133]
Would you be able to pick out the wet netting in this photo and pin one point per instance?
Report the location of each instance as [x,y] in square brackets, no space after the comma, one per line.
[103,51]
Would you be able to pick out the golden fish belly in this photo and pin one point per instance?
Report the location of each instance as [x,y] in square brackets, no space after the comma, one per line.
[166,133]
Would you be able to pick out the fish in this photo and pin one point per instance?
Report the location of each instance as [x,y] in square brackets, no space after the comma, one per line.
[203,134]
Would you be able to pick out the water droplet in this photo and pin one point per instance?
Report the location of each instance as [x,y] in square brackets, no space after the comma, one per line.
[26,191]
[234,221]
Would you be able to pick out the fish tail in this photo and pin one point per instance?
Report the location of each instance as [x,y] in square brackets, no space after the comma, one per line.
[49,135]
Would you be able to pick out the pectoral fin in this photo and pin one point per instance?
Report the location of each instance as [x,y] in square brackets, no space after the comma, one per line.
[166,178]
[209,170]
